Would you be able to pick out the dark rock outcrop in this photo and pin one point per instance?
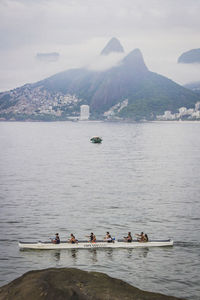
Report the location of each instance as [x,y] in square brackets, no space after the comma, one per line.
[73,284]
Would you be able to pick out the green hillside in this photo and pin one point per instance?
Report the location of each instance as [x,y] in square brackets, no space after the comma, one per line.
[148,94]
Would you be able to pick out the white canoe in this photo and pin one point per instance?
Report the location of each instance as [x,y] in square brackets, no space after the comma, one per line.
[98,244]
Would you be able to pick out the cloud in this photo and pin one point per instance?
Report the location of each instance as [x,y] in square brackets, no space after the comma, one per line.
[102,63]
[67,22]
[78,30]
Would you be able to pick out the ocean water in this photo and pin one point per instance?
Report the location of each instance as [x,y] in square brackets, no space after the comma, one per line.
[143,177]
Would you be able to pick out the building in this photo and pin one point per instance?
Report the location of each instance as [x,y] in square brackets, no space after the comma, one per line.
[197,106]
[85,112]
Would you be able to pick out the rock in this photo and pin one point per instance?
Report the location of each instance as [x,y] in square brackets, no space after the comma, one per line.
[190,57]
[73,284]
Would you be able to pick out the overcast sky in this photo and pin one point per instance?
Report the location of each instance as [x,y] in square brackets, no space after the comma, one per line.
[79,29]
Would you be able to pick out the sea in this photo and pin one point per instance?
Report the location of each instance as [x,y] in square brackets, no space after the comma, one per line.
[142,177]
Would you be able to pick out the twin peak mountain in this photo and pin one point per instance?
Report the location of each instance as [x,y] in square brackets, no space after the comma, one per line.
[147,94]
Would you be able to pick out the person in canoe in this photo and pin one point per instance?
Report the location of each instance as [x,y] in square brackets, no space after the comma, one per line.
[56,240]
[128,238]
[140,237]
[72,239]
[92,237]
[108,237]
[146,239]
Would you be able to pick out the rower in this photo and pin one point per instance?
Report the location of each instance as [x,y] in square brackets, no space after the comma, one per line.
[146,238]
[72,239]
[92,238]
[56,240]
[140,237]
[128,238]
[108,237]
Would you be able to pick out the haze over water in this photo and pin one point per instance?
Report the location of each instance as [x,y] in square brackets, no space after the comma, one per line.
[143,177]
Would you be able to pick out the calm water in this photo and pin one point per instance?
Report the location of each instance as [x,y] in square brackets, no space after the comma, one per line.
[143,177]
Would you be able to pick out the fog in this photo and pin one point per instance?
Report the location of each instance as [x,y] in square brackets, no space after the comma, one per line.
[78,30]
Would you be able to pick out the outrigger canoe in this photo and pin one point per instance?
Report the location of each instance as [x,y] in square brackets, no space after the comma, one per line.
[99,244]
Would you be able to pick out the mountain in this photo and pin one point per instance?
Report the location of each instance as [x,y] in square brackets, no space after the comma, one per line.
[101,90]
[128,90]
[113,45]
[190,57]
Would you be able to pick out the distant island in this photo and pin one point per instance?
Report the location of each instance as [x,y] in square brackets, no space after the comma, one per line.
[48,57]
[73,284]
[127,91]
[190,57]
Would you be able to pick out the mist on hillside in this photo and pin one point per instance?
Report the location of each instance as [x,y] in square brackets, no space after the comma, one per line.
[78,31]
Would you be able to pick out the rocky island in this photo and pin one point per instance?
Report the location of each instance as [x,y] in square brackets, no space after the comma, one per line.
[73,284]
[190,57]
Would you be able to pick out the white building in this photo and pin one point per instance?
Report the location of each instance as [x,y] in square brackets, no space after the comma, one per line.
[197,106]
[168,115]
[182,111]
[85,112]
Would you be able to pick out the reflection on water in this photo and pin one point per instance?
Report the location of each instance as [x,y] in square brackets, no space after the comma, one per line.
[94,255]
[109,253]
[130,253]
[56,256]
[74,253]
[142,177]
[145,252]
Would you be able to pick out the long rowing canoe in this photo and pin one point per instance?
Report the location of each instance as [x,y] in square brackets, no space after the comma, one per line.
[99,244]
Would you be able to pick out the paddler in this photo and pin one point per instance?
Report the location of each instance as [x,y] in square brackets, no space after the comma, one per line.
[92,238]
[146,238]
[72,239]
[140,237]
[56,240]
[108,237]
[128,238]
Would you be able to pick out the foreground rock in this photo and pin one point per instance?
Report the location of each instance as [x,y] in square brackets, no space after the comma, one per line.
[59,284]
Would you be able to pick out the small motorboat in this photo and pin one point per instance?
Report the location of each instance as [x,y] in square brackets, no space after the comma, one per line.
[98,244]
[96,139]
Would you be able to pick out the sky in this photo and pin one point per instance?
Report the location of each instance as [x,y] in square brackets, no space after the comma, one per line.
[79,29]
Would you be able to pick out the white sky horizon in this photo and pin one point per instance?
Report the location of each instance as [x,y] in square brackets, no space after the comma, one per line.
[79,30]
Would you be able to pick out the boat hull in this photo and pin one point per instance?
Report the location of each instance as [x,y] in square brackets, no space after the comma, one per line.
[88,245]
